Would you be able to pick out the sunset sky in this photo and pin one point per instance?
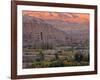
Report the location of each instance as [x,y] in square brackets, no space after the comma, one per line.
[64,16]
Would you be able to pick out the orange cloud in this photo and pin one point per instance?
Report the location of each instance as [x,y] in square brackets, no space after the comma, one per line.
[68,17]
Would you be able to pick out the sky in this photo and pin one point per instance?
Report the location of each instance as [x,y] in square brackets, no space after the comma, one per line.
[64,16]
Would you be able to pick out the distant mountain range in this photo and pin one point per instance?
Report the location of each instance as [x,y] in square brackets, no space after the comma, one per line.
[37,31]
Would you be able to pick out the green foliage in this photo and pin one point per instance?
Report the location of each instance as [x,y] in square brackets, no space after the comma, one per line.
[85,58]
[57,63]
[60,58]
[71,63]
[41,55]
[84,63]
[56,56]
[78,57]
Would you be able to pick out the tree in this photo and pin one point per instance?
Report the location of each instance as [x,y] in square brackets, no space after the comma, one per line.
[78,57]
[56,56]
[41,54]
